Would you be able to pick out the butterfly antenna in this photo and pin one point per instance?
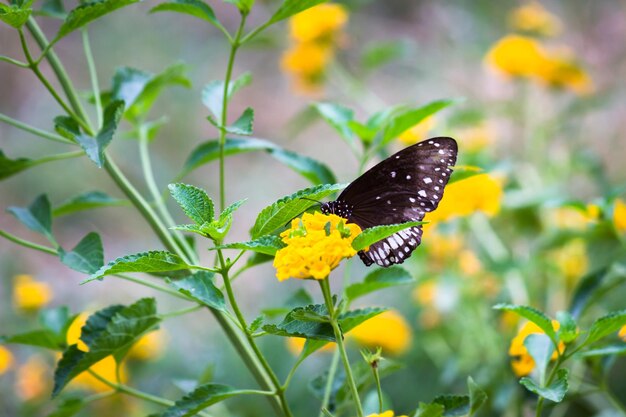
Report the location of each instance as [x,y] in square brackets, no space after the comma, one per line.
[303,198]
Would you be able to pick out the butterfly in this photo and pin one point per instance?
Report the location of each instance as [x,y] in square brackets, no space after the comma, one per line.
[402,188]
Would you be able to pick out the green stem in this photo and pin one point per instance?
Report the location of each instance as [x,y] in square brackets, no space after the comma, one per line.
[13,61]
[149,284]
[332,371]
[255,32]
[181,312]
[98,396]
[35,131]
[57,157]
[60,72]
[93,75]
[292,371]
[28,244]
[551,376]
[378,389]
[340,345]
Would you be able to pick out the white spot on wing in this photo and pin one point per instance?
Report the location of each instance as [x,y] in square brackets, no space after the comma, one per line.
[422,193]
[428,180]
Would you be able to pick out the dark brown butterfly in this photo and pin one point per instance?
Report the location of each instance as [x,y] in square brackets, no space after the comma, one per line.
[402,188]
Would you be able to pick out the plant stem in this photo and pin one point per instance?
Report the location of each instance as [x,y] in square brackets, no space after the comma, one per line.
[551,376]
[13,61]
[93,75]
[378,389]
[35,131]
[181,312]
[334,363]
[27,244]
[340,345]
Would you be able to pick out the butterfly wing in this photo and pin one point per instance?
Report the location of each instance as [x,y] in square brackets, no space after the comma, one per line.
[402,188]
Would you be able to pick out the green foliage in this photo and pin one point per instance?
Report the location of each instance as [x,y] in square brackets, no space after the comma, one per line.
[409,117]
[9,167]
[606,325]
[244,6]
[338,117]
[87,256]
[199,399]
[372,235]
[199,287]
[15,14]
[299,323]
[52,335]
[378,54]
[454,405]
[37,216]
[568,330]
[113,335]
[477,396]
[213,93]
[67,407]
[533,315]
[86,201]
[290,7]
[541,348]
[378,280]
[243,125]
[429,410]
[276,215]
[194,201]
[196,8]
[52,8]
[554,392]
[153,261]
[268,245]
[88,12]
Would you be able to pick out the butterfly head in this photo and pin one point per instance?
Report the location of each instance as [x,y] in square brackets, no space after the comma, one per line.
[338,207]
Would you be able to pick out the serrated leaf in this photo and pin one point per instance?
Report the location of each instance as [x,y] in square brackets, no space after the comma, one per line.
[87,201]
[199,399]
[404,120]
[190,228]
[15,15]
[87,12]
[200,287]
[291,326]
[37,216]
[605,325]
[228,211]
[568,330]
[97,323]
[9,167]
[256,323]
[268,245]
[52,8]
[213,93]
[194,201]
[372,235]
[123,329]
[153,261]
[43,338]
[540,348]
[429,410]
[276,215]
[196,8]
[88,255]
[290,7]
[554,392]
[453,405]
[338,117]
[243,125]
[533,315]
[379,279]
[477,397]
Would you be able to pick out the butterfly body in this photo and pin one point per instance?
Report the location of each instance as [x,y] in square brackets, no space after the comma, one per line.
[402,188]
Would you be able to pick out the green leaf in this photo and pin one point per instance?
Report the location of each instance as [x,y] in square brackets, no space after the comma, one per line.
[339,118]
[372,235]
[540,348]
[43,338]
[37,216]
[98,322]
[15,15]
[290,7]
[228,211]
[87,201]
[199,399]
[88,12]
[94,146]
[52,8]
[410,117]
[429,410]
[311,169]
[619,349]
[153,261]
[200,287]
[606,325]
[87,256]
[56,319]
[196,8]
[477,397]
[268,245]
[244,6]
[378,54]
[293,325]
[533,315]
[9,167]
[585,289]
[379,279]
[453,405]
[194,201]
[68,407]
[213,93]
[568,329]
[243,125]
[276,215]
[554,392]
[124,328]
[139,89]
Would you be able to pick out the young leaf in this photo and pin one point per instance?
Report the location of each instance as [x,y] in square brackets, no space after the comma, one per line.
[9,167]
[540,348]
[199,399]
[554,392]
[568,330]
[429,410]
[87,256]
[52,8]
[606,325]
[200,287]
[311,169]
[194,201]
[153,261]
[292,326]
[87,201]
[376,233]
[533,315]
[275,216]
[291,7]
[379,279]
[477,396]
[228,211]
[15,15]
[243,125]
[213,93]
[37,216]
[196,8]
[87,12]
[126,326]
[44,338]
[407,119]
[585,290]
[268,245]
[338,117]
[454,405]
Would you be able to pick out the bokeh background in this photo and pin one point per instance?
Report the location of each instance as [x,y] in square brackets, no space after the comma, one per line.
[552,143]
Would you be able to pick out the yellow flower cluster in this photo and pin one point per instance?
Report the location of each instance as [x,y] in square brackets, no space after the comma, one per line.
[6,359]
[622,333]
[522,56]
[29,294]
[533,18]
[619,215]
[314,33]
[476,138]
[316,244]
[572,260]
[574,218]
[522,363]
[388,413]
[417,132]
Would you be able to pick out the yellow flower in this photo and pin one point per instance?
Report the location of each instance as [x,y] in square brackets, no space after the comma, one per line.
[443,247]
[296,344]
[619,215]
[522,363]
[32,380]
[388,330]
[318,24]
[532,17]
[417,132]
[316,244]
[476,138]
[571,259]
[560,70]
[6,359]
[469,262]
[425,293]
[517,56]
[150,346]
[622,333]
[573,217]
[105,368]
[388,413]
[480,192]
[29,294]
